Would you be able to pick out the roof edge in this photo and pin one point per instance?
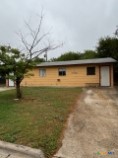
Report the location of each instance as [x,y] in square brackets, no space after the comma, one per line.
[78,62]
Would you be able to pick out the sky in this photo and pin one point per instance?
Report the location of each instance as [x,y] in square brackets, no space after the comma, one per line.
[78,24]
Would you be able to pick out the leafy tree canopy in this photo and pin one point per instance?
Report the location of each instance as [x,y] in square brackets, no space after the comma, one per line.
[14,66]
[38,60]
[88,54]
[67,56]
[108,47]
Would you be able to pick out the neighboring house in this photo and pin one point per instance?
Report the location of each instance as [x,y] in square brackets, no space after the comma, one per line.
[10,83]
[89,72]
[6,82]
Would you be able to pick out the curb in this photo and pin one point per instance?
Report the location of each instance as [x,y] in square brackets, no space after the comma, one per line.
[14,149]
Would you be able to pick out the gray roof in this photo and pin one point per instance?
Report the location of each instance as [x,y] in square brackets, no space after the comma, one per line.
[78,62]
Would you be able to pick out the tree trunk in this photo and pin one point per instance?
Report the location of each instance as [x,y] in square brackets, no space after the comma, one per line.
[18,90]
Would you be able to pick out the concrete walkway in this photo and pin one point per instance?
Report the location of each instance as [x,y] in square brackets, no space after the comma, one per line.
[8,150]
[92,130]
[6,88]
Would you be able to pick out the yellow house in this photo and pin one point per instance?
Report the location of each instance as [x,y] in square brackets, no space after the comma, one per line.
[89,72]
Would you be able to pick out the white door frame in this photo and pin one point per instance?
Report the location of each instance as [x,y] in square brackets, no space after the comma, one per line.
[105,71]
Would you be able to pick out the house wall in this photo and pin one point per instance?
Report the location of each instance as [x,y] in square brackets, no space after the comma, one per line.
[75,76]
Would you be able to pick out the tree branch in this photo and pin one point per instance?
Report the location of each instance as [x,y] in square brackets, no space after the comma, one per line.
[37,38]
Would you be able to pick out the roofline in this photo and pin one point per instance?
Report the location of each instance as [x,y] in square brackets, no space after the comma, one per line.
[78,62]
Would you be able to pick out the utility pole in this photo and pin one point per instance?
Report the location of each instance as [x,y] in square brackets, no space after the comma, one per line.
[46,56]
[116,32]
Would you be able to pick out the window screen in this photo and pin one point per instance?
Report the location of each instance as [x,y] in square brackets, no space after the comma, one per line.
[90,70]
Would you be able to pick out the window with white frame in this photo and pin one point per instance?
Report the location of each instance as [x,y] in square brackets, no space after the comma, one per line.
[62,71]
[42,72]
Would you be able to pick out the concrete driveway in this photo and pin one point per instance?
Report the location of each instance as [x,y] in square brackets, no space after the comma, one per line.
[92,130]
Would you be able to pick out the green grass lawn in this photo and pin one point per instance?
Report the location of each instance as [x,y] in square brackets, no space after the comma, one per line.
[38,119]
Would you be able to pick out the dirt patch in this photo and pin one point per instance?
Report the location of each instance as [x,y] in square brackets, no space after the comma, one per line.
[92,130]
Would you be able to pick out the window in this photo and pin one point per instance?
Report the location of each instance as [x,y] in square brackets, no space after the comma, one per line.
[90,70]
[42,72]
[62,72]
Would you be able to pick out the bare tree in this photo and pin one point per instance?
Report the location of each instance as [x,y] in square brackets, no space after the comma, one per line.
[33,49]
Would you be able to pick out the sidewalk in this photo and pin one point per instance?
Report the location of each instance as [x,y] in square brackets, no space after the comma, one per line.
[9,150]
[6,88]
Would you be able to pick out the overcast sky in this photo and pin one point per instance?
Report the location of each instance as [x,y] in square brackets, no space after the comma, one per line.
[77,23]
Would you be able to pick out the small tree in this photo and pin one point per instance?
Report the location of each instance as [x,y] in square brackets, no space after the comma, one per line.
[14,66]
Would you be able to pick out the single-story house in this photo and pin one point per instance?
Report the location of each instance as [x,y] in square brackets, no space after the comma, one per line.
[88,72]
